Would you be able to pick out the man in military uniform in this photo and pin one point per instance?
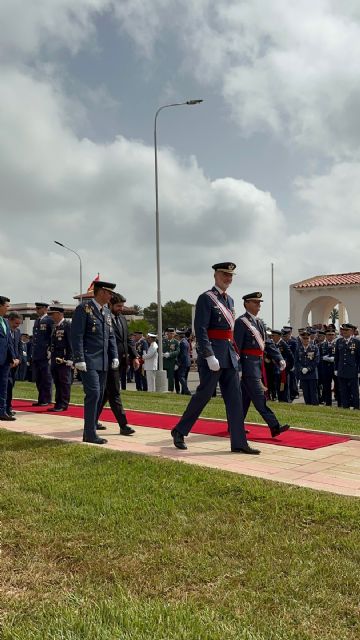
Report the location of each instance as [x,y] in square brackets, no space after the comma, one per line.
[306,362]
[251,342]
[61,358]
[327,356]
[217,361]
[7,357]
[347,366]
[287,336]
[126,350]
[141,346]
[283,377]
[184,363]
[171,351]
[15,320]
[42,330]
[94,345]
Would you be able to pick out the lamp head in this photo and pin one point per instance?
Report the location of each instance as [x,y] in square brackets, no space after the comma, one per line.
[197,101]
[59,243]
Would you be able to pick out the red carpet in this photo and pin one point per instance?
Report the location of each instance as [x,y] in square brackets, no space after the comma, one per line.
[258,433]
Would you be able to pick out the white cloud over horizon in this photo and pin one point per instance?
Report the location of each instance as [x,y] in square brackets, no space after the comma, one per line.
[276,70]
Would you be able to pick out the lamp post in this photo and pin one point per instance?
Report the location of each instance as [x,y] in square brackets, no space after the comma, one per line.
[72,251]
[161,378]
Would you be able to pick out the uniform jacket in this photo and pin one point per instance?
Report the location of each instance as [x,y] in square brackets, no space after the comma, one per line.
[208,316]
[184,353]
[327,350]
[6,346]
[60,345]
[171,347]
[151,357]
[92,336]
[15,336]
[308,359]
[286,354]
[124,345]
[347,357]
[41,337]
[251,365]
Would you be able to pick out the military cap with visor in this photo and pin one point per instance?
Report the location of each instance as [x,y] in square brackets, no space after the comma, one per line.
[256,296]
[226,267]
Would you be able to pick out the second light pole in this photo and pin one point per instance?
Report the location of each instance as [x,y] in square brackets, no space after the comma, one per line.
[161,377]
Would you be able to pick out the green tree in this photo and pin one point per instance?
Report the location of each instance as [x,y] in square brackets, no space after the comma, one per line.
[334,315]
[139,325]
[174,314]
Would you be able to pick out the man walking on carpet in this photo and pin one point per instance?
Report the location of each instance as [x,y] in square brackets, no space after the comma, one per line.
[217,362]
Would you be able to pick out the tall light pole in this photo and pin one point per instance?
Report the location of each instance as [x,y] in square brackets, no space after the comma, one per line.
[161,383]
[272,296]
[72,251]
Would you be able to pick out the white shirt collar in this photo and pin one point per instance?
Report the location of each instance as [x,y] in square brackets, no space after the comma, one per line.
[219,290]
[251,316]
[97,305]
[44,316]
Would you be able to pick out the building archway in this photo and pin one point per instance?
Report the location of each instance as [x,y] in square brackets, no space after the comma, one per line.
[320,294]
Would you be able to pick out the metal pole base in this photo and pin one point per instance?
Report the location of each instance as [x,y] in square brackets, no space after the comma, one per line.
[161,383]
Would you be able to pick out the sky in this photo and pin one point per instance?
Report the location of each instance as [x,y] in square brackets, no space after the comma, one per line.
[265,171]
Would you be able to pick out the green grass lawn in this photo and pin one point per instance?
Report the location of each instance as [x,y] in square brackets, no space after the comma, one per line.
[298,415]
[100,545]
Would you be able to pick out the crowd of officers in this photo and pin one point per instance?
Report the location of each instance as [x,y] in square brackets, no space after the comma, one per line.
[324,364]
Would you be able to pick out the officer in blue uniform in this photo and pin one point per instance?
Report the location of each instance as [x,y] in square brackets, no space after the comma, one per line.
[286,333]
[306,362]
[94,345]
[40,354]
[282,378]
[7,357]
[251,341]
[61,358]
[217,361]
[347,366]
[327,355]
[184,362]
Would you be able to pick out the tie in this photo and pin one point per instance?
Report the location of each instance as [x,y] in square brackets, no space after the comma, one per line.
[3,324]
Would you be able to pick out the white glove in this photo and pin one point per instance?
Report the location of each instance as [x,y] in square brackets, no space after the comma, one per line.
[331,358]
[115,363]
[213,363]
[335,373]
[80,366]
[282,365]
[176,367]
[166,355]
[304,370]
[69,363]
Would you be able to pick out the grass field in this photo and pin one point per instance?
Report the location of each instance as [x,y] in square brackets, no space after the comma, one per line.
[298,415]
[100,545]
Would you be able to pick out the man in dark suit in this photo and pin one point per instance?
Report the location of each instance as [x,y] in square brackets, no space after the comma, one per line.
[217,361]
[61,358]
[7,357]
[15,320]
[251,341]
[94,345]
[40,354]
[126,350]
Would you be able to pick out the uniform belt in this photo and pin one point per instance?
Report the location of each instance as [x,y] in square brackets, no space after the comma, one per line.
[252,352]
[220,334]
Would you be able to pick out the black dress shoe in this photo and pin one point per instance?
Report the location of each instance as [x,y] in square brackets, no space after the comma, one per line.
[7,418]
[275,431]
[100,427]
[58,409]
[178,439]
[96,440]
[249,450]
[126,431]
[40,404]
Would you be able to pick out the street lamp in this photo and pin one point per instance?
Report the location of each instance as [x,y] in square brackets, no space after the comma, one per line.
[161,381]
[72,251]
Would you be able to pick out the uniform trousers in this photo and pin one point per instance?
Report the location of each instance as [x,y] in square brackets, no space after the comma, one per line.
[151,379]
[10,387]
[42,377]
[4,376]
[113,397]
[94,384]
[310,391]
[170,370]
[231,392]
[349,392]
[253,391]
[328,379]
[61,374]
[183,373]
[140,380]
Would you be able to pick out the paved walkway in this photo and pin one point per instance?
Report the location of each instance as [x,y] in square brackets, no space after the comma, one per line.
[335,469]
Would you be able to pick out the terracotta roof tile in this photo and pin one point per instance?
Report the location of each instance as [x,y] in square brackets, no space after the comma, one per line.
[334,280]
